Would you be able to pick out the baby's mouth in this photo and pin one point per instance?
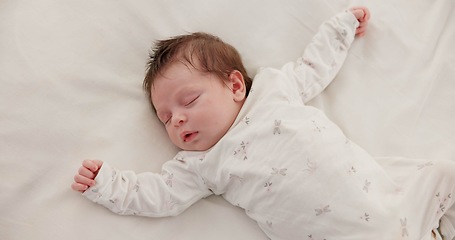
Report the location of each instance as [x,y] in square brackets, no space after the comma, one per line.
[188,136]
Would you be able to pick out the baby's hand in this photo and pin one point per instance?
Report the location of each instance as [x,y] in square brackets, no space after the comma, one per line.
[86,175]
[363,15]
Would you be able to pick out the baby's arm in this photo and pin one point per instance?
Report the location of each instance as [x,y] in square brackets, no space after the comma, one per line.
[146,194]
[324,56]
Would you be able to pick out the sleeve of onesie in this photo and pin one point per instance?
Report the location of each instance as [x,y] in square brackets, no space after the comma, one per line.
[324,56]
[148,194]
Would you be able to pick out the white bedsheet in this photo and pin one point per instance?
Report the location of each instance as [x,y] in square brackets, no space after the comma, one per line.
[70,89]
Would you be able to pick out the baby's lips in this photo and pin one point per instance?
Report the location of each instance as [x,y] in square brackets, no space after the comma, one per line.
[185,135]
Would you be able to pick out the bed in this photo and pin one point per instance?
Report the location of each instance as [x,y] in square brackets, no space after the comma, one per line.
[71,89]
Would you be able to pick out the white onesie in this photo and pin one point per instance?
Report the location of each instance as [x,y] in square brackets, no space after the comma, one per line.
[291,168]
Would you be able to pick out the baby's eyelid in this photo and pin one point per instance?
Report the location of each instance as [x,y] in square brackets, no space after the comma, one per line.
[192,100]
[167,120]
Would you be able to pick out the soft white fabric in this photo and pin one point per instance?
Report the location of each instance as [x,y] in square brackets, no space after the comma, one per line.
[70,89]
[291,168]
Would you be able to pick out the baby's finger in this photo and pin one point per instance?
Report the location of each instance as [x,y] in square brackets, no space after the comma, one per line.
[98,163]
[358,13]
[367,15]
[84,180]
[79,187]
[86,172]
[363,24]
[91,165]
[361,13]
[359,32]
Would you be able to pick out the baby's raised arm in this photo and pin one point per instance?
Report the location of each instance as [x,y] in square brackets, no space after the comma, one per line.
[325,54]
[86,175]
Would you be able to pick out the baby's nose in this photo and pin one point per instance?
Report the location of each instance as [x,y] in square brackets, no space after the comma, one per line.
[179,120]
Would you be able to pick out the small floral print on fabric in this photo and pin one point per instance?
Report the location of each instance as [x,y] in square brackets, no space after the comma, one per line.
[277,129]
[404,228]
[311,167]
[246,120]
[321,211]
[268,186]
[443,201]
[241,151]
[424,165]
[365,217]
[281,171]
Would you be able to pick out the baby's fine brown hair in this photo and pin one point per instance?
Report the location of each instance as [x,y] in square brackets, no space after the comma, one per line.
[203,51]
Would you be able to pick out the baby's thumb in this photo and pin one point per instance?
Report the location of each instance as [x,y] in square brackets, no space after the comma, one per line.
[98,164]
[358,13]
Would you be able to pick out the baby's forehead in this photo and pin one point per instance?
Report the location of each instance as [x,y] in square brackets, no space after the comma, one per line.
[177,69]
[174,75]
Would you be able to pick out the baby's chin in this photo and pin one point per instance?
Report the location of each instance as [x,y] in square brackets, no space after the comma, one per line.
[197,147]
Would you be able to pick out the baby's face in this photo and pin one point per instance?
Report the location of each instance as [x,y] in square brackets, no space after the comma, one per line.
[196,108]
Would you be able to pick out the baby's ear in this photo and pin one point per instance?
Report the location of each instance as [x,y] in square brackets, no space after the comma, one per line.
[237,85]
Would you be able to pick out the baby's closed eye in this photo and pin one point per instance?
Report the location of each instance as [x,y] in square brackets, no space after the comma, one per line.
[191,100]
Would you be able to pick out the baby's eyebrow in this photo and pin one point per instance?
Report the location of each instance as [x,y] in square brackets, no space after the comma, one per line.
[186,90]
[185,93]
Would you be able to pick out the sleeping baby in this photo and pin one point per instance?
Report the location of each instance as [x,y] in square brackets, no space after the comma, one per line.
[259,146]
